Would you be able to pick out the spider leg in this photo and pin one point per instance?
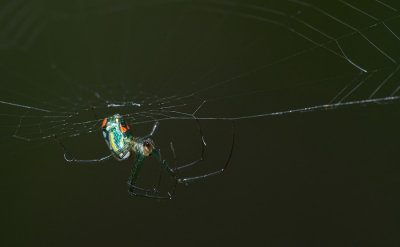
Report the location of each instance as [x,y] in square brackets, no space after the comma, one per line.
[87,161]
[172,171]
[164,163]
[203,149]
[73,159]
[133,189]
[159,180]
[169,170]
[220,171]
[133,193]
[152,131]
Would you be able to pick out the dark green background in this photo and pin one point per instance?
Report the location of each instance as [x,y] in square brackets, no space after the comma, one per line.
[323,178]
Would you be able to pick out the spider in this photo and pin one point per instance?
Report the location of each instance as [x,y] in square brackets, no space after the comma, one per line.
[123,145]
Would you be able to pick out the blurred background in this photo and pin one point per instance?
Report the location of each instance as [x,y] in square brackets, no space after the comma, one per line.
[299,176]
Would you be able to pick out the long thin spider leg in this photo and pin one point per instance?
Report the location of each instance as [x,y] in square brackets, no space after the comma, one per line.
[191,179]
[137,165]
[152,131]
[171,145]
[169,170]
[177,172]
[132,182]
[187,165]
[87,161]
[73,159]
[203,149]
[134,193]
[159,180]
[135,172]
[139,188]
[157,188]
[172,173]
[164,164]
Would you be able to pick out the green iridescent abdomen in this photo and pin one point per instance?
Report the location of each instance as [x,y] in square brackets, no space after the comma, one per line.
[118,136]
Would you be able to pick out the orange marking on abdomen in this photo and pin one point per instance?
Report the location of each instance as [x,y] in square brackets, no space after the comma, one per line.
[123,129]
[104,123]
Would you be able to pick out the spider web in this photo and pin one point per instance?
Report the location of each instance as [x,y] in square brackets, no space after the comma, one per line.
[65,67]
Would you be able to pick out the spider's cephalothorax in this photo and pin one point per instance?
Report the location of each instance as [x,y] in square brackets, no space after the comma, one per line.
[144,147]
[118,136]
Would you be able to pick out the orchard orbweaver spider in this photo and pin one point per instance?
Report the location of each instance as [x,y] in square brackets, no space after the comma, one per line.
[123,145]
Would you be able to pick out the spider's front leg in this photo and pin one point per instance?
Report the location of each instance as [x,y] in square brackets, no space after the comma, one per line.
[217,172]
[172,171]
[152,131]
